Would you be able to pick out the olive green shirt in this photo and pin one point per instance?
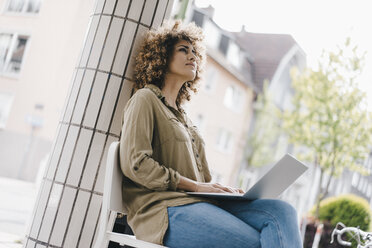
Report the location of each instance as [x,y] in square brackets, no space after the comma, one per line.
[158,144]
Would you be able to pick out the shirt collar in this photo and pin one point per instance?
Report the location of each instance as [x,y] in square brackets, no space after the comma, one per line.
[160,95]
[156,90]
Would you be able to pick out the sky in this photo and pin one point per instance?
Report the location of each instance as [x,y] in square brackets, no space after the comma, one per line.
[315,25]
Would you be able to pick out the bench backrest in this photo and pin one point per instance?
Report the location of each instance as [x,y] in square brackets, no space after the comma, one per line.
[112,192]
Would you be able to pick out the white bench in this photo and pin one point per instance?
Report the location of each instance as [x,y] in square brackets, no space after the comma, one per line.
[112,203]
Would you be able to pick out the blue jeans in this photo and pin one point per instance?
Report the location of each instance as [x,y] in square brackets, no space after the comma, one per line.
[261,223]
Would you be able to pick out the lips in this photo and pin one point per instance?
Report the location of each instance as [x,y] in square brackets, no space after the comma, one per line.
[192,64]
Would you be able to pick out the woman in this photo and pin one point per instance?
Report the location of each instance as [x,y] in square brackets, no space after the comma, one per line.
[162,156]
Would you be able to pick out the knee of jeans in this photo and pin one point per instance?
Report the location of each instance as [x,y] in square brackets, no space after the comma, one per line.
[284,207]
[244,240]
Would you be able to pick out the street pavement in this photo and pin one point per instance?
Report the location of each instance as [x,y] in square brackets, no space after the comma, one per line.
[16,205]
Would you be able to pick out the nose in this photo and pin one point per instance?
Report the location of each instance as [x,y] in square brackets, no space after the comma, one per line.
[192,56]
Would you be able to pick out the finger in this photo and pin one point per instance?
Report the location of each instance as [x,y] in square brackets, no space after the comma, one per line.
[216,190]
[227,189]
[221,191]
[218,186]
[224,188]
[236,190]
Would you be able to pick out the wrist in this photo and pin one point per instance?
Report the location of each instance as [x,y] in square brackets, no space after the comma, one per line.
[195,186]
[187,184]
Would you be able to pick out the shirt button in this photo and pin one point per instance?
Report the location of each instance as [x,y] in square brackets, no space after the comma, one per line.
[135,168]
[193,140]
[197,155]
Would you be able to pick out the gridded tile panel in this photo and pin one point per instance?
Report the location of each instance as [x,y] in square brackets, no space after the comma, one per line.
[91,217]
[109,52]
[73,95]
[66,154]
[89,39]
[57,150]
[94,161]
[95,101]
[124,47]
[50,212]
[71,236]
[40,208]
[67,211]
[61,221]
[80,155]
[108,104]
[122,8]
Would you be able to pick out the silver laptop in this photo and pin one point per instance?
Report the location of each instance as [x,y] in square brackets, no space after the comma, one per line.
[277,179]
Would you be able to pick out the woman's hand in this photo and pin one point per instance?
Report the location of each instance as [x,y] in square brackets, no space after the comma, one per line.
[215,188]
[191,185]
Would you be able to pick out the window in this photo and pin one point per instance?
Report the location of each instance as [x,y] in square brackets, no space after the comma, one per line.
[355,179]
[365,187]
[198,18]
[12,48]
[212,35]
[360,184]
[224,44]
[24,6]
[224,140]
[233,98]
[5,104]
[233,55]
[369,190]
[211,79]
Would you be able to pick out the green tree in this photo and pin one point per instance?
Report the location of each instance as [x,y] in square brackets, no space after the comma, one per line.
[329,120]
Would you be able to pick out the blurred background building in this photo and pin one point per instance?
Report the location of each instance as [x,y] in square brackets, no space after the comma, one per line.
[40,42]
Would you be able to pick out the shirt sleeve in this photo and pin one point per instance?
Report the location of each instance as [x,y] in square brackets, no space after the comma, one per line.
[136,151]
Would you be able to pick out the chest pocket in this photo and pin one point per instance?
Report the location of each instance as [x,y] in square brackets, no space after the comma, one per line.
[177,130]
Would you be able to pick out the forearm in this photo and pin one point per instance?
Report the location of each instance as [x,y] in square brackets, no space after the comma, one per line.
[187,184]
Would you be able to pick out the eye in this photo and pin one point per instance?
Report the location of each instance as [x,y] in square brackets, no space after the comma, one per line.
[182,49]
[193,51]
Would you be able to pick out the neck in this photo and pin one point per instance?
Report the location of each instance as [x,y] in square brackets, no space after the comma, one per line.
[170,90]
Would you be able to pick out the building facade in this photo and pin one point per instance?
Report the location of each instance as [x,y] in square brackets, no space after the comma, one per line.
[222,109]
[40,43]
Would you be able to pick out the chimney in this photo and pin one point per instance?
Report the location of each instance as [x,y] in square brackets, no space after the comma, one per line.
[210,11]
[242,31]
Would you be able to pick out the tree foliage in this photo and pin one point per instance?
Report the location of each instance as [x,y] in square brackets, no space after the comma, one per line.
[329,119]
[351,210]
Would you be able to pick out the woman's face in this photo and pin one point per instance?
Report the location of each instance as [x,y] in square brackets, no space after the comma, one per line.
[183,62]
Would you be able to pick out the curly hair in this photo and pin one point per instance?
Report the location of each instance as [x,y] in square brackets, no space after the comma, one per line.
[152,61]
